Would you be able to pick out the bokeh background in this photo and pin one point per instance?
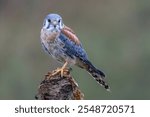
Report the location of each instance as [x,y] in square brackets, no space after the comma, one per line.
[115,34]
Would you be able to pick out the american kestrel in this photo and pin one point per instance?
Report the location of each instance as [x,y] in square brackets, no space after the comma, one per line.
[62,44]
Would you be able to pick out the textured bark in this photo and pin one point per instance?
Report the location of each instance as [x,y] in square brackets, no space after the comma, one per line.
[59,88]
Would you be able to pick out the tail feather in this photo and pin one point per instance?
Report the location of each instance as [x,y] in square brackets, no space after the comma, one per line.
[97,74]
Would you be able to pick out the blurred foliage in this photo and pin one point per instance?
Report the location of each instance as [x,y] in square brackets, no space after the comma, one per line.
[115,34]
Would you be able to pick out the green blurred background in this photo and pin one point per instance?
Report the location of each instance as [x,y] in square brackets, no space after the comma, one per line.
[115,34]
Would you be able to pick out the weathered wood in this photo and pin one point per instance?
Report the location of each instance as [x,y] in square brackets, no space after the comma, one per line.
[59,88]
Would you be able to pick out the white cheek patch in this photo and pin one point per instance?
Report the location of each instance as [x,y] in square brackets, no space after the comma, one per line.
[46,24]
[61,25]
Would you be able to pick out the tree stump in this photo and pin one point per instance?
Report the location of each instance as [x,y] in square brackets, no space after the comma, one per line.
[59,88]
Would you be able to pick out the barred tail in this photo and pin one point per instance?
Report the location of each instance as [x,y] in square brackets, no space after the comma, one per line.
[98,75]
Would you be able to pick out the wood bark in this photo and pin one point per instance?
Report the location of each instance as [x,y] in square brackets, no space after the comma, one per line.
[55,87]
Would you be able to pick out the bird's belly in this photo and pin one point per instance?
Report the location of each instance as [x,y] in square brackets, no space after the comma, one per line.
[59,54]
[57,51]
[55,47]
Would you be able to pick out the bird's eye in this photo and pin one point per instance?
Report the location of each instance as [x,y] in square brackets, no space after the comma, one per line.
[58,21]
[49,20]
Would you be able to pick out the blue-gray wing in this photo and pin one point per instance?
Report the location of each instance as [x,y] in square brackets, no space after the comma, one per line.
[72,49]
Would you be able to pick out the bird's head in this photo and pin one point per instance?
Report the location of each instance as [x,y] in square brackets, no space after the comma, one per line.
[53,23]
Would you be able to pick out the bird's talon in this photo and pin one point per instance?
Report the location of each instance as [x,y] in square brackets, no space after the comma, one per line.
[59,70]
[55,72]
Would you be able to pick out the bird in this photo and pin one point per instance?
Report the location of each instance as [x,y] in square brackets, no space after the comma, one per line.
[61,42]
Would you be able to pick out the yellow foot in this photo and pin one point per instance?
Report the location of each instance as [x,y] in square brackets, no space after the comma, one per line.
[61,70]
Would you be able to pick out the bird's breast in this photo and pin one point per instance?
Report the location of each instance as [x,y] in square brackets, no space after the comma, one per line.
[55,47]
[48,36]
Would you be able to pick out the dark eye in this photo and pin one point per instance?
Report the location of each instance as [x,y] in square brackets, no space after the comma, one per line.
[58,21]
[49,20]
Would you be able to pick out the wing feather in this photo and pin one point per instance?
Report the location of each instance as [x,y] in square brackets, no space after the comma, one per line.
[71,35]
